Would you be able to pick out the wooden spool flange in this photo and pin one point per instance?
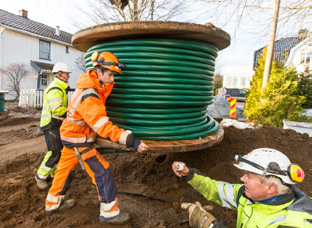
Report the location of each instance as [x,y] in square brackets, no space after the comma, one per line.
[99,34]
[169,146]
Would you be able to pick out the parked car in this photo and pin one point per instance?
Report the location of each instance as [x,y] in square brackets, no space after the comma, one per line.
[239,94]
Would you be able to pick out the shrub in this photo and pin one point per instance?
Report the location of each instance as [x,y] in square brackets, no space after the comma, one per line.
[305,87]
[279,100]
[217,83]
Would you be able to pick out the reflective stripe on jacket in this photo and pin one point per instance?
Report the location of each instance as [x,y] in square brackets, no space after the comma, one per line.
[293,210]
[86,115]
[54,105]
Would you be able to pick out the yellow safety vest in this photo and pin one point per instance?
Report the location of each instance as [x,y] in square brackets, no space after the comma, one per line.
[55,104]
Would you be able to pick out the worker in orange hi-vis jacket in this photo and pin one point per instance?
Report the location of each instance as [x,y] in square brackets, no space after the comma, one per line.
[87,118]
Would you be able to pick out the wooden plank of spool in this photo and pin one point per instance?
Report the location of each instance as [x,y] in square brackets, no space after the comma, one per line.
[98,34]
[169,146]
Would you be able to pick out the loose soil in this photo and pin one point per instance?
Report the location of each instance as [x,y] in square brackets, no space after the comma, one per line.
[148,189]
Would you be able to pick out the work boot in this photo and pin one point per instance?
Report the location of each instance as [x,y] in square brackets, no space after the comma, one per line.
[64,205]
[41,183]
[120,219]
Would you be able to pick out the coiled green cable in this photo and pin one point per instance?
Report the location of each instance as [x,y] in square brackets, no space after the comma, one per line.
[165,89]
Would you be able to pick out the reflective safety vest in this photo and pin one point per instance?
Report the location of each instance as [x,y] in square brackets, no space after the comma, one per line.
[293,210]
[86,115]
[54,105]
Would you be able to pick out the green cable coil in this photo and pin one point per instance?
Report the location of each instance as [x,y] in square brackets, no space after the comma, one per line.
[165,89]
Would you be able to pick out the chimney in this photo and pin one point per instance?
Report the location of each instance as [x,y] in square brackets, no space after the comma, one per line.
[57,30]
[23,13]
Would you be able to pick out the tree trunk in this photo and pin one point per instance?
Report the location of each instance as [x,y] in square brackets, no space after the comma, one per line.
[269,57]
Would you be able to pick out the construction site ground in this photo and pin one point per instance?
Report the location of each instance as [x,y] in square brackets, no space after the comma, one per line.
[147,187]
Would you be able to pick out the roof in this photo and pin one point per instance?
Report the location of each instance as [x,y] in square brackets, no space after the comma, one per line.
[25,24]
[304,47]
[44,66]
[282,48]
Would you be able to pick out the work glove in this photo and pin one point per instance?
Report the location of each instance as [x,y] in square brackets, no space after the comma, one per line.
[198,216]
[132,142]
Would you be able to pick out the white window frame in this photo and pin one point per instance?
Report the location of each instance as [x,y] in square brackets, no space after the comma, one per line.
[44,50]
[44,80]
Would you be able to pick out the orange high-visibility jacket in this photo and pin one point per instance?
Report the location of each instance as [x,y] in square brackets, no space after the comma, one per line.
[86,114]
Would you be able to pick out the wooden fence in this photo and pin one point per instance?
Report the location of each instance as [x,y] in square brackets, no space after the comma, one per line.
[34,98]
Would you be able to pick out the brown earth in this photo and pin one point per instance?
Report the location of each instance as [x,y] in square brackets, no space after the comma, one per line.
[148,189]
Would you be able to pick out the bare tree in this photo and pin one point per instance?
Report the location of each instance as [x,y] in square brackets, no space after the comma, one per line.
[15,72]
[107,11]
[269,57]
[217,82]
[288,18]
[80,63]
[293,14]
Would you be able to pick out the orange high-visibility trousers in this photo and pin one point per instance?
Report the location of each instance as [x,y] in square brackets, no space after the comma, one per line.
[97,168]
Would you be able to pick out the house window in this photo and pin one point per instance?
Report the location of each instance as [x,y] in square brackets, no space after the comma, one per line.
[229,81]
[44,49]
[67,49]
[243,82]
[235,81]
[309,56]
[44,80]
[306,57]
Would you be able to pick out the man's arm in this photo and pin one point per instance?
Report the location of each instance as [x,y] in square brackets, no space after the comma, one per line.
[219,192]
[94,113]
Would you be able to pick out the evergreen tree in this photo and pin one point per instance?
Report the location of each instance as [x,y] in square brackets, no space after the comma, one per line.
[305,87]
[279,100]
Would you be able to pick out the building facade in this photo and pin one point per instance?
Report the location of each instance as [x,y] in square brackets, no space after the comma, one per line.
[237,76]
[301,55]
[282,48]
[38,47]
[291,51]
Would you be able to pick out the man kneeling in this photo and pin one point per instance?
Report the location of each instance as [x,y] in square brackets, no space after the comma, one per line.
[268,197]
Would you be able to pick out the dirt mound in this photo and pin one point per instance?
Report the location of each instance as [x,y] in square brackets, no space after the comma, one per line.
[148,189]
[14,109]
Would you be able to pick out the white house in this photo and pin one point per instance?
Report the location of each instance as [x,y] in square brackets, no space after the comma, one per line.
[301,55]
[237,76]
[293,51]
[38,46]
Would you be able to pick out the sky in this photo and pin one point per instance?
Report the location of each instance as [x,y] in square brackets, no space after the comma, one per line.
[62,13]
[52,13]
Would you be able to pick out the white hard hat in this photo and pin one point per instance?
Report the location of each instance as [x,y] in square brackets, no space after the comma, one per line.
[270,162]
[61,67]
